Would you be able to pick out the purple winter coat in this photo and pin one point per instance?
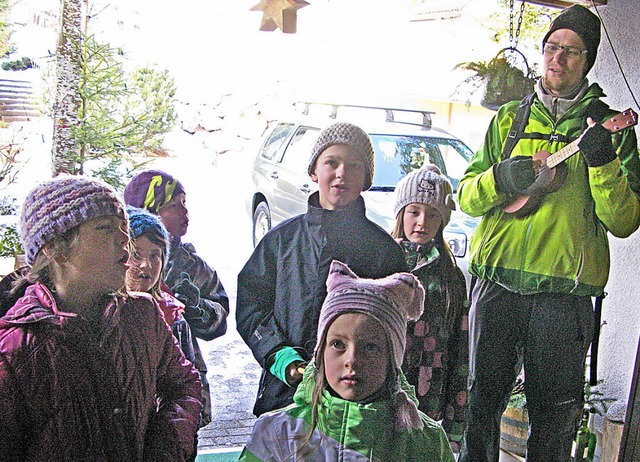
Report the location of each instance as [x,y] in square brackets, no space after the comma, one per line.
[116,389]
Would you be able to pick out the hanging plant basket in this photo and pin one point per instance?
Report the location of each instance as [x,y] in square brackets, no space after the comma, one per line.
[507,78]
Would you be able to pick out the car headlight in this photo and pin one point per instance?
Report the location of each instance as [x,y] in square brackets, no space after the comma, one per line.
[457,243]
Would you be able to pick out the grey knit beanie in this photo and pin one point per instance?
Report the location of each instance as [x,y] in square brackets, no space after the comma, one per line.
[584,23]
[391,301]
[54,207]
[426,185]
[351,135]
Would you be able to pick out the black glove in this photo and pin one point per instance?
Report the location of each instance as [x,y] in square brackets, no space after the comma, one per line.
[596,146]
[186,291]
[514,174]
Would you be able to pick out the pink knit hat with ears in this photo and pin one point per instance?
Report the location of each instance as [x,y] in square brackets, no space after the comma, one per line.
[391,301]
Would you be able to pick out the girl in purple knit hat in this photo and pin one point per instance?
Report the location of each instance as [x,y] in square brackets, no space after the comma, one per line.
[354,402]
[87,372]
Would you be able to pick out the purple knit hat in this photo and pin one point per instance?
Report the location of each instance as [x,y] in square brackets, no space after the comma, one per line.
[151,189]
[391,301]
[54,207]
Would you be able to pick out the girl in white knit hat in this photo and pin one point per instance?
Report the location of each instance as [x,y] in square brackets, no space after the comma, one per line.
[437,354]
[354,402]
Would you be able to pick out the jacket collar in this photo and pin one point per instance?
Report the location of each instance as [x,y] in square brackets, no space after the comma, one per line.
[38,304]
[35,305]
[317,214]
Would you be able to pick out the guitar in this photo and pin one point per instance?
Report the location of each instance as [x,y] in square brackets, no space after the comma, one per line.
[551,172]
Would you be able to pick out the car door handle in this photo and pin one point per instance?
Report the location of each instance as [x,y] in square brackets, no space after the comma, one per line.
[274,175]
[305,188]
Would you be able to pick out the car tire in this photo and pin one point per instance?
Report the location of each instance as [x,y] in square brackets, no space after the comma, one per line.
[261,222]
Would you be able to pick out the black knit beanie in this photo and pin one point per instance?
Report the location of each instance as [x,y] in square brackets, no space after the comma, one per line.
[584,23]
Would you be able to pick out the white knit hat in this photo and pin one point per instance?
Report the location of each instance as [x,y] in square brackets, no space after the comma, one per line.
[426,185]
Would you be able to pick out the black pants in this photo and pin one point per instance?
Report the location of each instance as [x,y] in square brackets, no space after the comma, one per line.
[550,334]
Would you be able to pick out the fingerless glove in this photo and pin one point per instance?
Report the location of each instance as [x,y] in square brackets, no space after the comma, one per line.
[596,146]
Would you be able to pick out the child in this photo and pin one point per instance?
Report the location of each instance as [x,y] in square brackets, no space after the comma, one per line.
[282,285]
[87,373]
[189,277]
[437,355]
[354,403]
[150,242]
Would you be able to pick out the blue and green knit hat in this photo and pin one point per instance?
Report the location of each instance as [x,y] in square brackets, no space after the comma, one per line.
[142,222]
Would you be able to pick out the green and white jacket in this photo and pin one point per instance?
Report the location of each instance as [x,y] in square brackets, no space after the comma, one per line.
[561,247]
[346,431]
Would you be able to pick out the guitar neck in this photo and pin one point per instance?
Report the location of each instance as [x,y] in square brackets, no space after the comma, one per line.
[618,122]
[563,154]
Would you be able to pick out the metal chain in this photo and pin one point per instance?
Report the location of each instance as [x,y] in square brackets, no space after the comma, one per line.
[514,41]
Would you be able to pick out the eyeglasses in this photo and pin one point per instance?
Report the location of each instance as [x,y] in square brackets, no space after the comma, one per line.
[570,52]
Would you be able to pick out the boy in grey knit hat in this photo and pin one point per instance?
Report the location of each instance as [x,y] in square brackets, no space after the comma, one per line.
[282,286]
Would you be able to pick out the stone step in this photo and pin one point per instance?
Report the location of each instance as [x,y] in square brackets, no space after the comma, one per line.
[16,101]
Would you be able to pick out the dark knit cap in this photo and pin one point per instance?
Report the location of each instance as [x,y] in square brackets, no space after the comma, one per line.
[351,135]
[142,222]
[584,23]
[56,206]
[151,189]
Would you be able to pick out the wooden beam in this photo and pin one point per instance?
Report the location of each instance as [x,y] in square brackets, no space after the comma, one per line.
[566,3]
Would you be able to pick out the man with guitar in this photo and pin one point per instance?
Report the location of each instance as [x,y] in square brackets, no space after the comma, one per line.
[541,251]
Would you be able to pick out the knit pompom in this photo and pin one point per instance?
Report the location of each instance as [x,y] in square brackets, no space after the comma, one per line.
[407,416]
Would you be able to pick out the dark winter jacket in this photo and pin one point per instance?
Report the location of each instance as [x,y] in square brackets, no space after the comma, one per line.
[113,389]
[437,353]
[207,320]
[283,284]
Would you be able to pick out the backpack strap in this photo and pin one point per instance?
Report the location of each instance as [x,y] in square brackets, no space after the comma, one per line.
[517,126]
[597,110]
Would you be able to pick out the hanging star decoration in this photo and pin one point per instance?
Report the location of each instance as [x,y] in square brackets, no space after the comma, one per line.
[279,14]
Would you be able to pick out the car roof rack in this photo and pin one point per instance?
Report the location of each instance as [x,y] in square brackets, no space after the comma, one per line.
[426,115]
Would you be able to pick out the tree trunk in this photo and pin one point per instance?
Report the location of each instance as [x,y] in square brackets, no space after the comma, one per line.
[67,100]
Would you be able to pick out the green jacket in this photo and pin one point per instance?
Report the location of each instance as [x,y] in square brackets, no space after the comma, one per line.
[346,431]
[561,247]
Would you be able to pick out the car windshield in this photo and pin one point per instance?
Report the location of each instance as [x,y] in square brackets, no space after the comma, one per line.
[397,155]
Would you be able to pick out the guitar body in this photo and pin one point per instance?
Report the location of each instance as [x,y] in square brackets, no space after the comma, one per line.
[551,173]
[547,180]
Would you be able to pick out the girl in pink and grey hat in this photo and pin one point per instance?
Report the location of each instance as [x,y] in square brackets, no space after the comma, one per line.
[354,403]
[437,355]
[87,372]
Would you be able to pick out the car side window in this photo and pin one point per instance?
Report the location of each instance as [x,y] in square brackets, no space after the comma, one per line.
[275,141]
[298,152]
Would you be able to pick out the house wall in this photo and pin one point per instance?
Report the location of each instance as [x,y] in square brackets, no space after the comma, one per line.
[621,322]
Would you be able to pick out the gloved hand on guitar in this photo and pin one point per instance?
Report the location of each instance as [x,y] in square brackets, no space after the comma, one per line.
[514,174]
[596,146]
